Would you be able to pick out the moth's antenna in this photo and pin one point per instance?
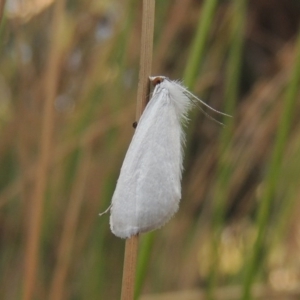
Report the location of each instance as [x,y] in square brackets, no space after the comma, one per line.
[185,90]
[210,117]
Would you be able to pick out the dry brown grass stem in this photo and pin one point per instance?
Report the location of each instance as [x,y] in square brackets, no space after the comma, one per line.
[146,55]
[129,267]
[131,247]
[69,229]
[36,205]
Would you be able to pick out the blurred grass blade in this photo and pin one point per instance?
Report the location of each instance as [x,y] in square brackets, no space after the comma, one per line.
[146,246]
[224,166]
[2,6]
[3,19]
[68,235]
[273,174]
[196,55]
[36,209]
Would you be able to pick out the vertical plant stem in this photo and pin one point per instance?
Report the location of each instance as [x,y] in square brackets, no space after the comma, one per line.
[273,174]
[146,56]
[131,247]
[196,56]
[36,205]
[129,268]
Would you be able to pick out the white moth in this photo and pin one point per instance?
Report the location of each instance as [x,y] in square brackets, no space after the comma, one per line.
[148,190]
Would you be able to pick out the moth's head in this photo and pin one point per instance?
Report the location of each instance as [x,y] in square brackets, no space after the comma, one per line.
[155,80]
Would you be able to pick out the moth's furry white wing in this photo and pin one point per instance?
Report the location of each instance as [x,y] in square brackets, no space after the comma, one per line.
[149,189]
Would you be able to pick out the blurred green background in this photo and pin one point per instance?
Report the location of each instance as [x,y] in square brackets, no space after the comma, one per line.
[68,82]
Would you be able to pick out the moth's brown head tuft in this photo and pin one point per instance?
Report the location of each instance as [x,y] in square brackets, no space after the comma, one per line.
[157,79]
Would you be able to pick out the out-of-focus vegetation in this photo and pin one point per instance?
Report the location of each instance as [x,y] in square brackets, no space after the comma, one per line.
[238,227]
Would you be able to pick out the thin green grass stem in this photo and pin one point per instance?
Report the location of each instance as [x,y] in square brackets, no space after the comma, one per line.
[224,166]
[273,174]
[196,56]
[145,250]
[289,187]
